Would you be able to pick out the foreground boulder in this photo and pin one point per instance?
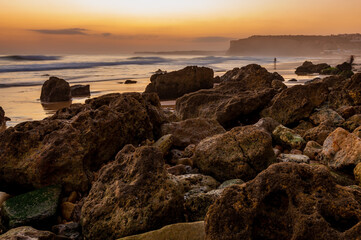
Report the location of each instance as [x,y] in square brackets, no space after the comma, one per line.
[296,103]
[175,84]
[286,201]
[2,119]
[68,147]
[308,68]
[28,233]
[132,195]
[80,90]
[344,92]
[191,131]
[241,153]
[37,208]
[55,90]
[179,231]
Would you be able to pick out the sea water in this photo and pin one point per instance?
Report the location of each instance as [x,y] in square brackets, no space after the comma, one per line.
[21,77]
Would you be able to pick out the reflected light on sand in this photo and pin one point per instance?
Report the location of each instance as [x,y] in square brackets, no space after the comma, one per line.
[51,108]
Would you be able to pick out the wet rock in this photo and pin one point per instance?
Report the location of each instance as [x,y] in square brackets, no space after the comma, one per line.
[27,233]
[230,183]
[295,158]
[130,81]
[132,194]
[308,68]
[179,231]
[268,124]
[240,153]
[191,131]
[69,146]
[341,150]
[175,84]
[353,122]
[80,90]
[37,208]
[164,143]
[296,103]
[288,138]
[70,230]
[286,201]
[55,90]
[319,133]
[312,149]
[326,116]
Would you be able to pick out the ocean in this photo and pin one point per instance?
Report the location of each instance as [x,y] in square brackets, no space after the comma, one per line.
[21,77]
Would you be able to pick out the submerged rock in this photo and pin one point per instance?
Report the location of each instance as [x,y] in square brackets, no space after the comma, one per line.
[132,194]
[241,153]
[55,90]
[37,208]
[286,201]
[80,90]
[175,84]
[130,81]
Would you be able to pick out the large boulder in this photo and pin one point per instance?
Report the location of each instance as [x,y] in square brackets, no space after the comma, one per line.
[68,147]
[341,150]
[345,92]
[326,116]
[286,201]
[133,194]
[191,131]
[241,153]
[296,103]
[37,208]
[175,84]
[308,68]
[55,90]
[28,233]
[319,133]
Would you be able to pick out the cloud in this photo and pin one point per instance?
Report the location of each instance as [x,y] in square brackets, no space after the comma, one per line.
[66,31]
[106,34]
[211,39]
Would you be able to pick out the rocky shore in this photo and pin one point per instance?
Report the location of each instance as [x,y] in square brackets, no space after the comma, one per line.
[247,159]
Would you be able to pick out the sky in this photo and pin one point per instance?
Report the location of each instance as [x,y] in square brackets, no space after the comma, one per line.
[119,26]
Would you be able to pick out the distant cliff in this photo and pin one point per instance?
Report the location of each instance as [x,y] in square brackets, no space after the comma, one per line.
[295,45]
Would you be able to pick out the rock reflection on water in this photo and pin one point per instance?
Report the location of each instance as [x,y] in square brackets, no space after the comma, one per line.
[51,108]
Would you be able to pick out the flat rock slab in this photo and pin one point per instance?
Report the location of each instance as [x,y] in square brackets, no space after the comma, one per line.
[27,233]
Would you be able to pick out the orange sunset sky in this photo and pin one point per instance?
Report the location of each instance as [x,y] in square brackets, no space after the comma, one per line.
[117,26]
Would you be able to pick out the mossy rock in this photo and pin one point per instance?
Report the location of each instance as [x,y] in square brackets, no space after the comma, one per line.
[346,74]
[330,71]
[288,138]
[36,208]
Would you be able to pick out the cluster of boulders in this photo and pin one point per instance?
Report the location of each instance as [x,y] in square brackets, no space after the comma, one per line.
[58,90]
[248,159]
[344,69]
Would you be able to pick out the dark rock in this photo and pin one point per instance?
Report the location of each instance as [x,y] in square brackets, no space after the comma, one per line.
[179,170]
[268,124]
[296,103]
[353,122]
[286,201]
[68,147]
[55,90]
[175,84]
[292,80]
[130,81]
[197,183]
[3,119]
[345,92]
[330,71]
[28,233]
[231,182]
[217,79]
[288,138]
[164,143]
[278,84]
[348,111]
[37,208]
[326,116]
[132,194]
[344,67]
[308,68]
[80,90]
[312,149]
[319,133]
[191,131]
[302,127]
[240,153]
[70,230]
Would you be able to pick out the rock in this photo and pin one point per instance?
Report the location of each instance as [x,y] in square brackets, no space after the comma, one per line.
[296,103]
[341,150]
[185,161]
[286,201]
[268,124]
[278,84]
[179,170]
[346,92]
[312,149]
[27,233]
[233,101]
[303,127]
[231,182]
[277,152]
[67,209]
[37,208]
[308,68]
[353,122]
[80,90]
[357,173]
[348,111]
[130,81]
[132,194]
[73,197]
[55,90]
[197,183]
[292,80]
[330,71]
[189,150]
[242,153]
[326,116]
[296,151]
[68,147]
[69,230]
[344,67]
[191,131]
[217,79]
[295,158]
[357,132]
[179,231]
[319,133]
[2,120]
[288,138]
[164,143]
[3,197]
[175,84]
